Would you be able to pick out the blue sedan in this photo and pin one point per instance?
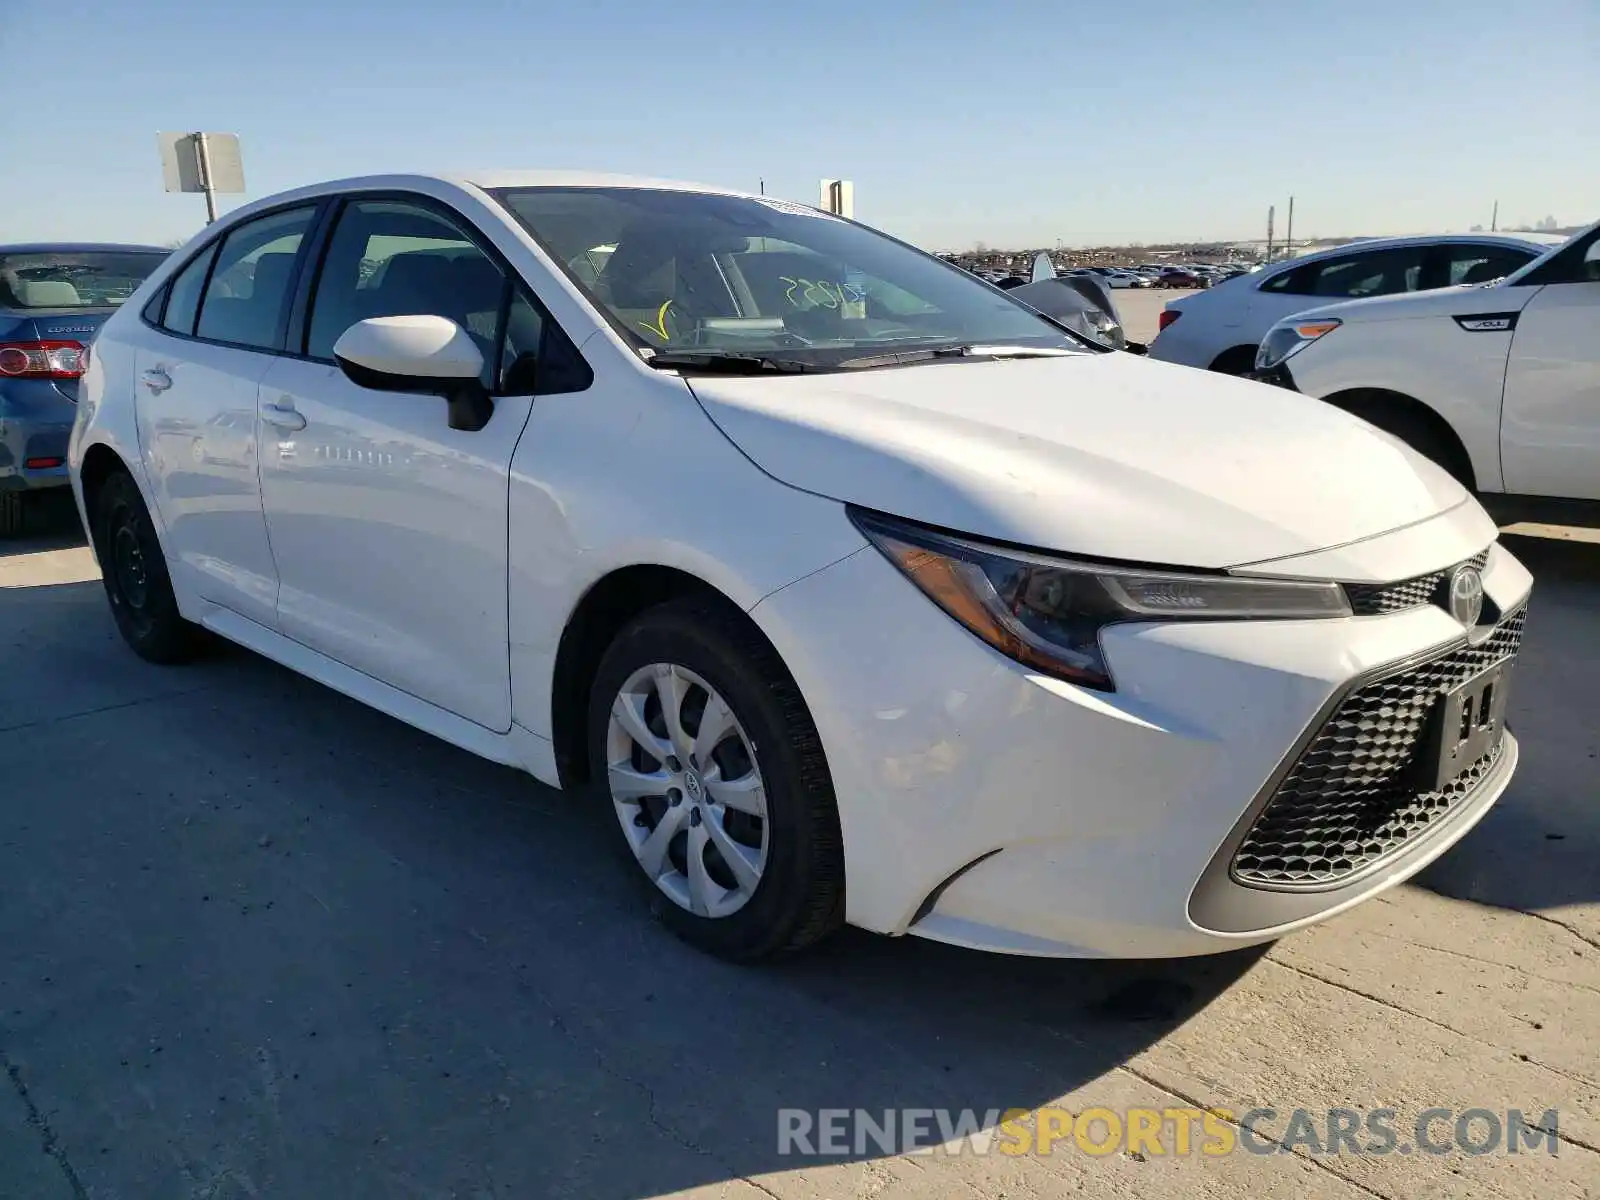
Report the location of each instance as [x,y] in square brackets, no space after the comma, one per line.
[53,298]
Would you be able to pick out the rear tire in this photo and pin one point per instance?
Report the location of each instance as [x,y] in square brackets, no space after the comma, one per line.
[701,790]
[134,572]
[13,514]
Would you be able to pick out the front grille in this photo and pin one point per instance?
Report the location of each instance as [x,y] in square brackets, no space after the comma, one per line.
[1370,599]
[1347,803]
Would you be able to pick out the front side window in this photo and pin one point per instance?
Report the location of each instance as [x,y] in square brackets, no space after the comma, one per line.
[695,271]
[249,287]
[1470,263]
[390,258]
[73,278]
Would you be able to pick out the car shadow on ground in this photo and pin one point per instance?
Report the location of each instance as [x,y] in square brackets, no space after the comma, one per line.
[1537,848]
[262,917]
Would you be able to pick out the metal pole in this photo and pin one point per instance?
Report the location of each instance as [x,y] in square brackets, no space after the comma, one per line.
[203,158]
[763,187]
[1288,232]
[1494,221]
[1272,211]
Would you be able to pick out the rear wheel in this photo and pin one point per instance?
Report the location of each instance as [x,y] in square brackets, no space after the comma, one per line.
[713,767]
[134,572]
[13,513]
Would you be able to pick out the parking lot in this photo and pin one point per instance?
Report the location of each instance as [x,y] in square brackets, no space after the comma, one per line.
[261,941]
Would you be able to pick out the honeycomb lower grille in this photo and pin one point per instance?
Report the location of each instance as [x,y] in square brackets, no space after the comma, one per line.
[1370,599]
[1347,802]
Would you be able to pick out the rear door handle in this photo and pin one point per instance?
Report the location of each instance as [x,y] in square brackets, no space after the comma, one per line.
[282,416]
[157,380]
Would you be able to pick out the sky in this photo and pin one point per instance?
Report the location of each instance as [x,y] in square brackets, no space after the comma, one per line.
[1008,122]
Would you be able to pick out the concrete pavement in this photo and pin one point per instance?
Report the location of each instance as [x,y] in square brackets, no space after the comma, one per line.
[262,942]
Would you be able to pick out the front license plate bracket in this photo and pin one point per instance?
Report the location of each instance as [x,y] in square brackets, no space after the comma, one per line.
[1466,723]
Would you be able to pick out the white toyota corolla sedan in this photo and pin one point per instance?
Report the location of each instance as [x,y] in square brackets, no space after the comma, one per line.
[858,590]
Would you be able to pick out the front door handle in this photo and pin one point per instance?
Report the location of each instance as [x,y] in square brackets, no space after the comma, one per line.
[282,417]
[156,379]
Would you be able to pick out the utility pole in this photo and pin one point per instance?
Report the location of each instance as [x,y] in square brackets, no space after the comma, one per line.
[1288,232]
[763,187]
[1494,221]
[1272,211]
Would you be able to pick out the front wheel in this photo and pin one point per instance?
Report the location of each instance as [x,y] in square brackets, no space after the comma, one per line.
[134,572]
[710,760]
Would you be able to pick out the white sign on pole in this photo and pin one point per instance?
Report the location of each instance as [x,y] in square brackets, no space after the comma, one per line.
[201,162]
[839,197]
[182,168]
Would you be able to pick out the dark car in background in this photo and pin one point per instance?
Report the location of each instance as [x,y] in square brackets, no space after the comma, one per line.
[1180,277]
[53,299]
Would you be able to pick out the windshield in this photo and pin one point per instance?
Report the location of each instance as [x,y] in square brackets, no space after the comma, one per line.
[73,278]
[714,274]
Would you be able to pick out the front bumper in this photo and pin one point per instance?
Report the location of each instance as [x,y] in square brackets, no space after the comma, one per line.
[991,807]
[1277,376]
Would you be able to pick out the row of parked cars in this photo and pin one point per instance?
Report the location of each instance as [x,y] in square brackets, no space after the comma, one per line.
[850,588]
[1147,275]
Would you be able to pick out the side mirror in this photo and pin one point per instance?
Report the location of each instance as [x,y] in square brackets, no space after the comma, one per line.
[1591,260]
[424,354]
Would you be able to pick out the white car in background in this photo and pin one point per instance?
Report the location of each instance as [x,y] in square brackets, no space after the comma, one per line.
[846,586]
[1220,328]
[1499,384]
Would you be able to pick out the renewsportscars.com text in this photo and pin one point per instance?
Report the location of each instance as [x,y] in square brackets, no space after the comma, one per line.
[1163,1132]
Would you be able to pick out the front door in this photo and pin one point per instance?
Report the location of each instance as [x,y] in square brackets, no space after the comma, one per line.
[197,367]
[1550,416]
[388,527]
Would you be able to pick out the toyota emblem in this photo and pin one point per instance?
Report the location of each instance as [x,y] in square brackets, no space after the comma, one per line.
[1466,595]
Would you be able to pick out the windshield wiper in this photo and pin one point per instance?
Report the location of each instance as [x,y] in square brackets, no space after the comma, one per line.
[972,350]
[726,363]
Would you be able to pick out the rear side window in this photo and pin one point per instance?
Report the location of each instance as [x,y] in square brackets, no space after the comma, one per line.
[183,294]
[249,289]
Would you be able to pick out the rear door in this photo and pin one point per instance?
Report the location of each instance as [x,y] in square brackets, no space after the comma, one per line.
[199,358]
[1550,416]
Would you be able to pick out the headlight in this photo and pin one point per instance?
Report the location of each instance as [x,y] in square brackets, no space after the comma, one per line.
[1101,327]
[1289,338]
[1047,613]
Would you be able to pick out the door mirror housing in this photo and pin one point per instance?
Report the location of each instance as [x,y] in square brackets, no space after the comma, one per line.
[423,354]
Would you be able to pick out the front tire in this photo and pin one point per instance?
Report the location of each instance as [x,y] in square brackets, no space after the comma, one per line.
[134,572]
[707,753]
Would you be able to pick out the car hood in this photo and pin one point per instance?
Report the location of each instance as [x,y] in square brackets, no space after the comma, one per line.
[1102,455]
[1406,306]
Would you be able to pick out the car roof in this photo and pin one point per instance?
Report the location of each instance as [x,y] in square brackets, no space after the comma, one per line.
[1539,241]
[470,181]
[81,247]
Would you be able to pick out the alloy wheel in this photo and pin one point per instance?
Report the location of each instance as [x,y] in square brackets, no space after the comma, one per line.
[687,789]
